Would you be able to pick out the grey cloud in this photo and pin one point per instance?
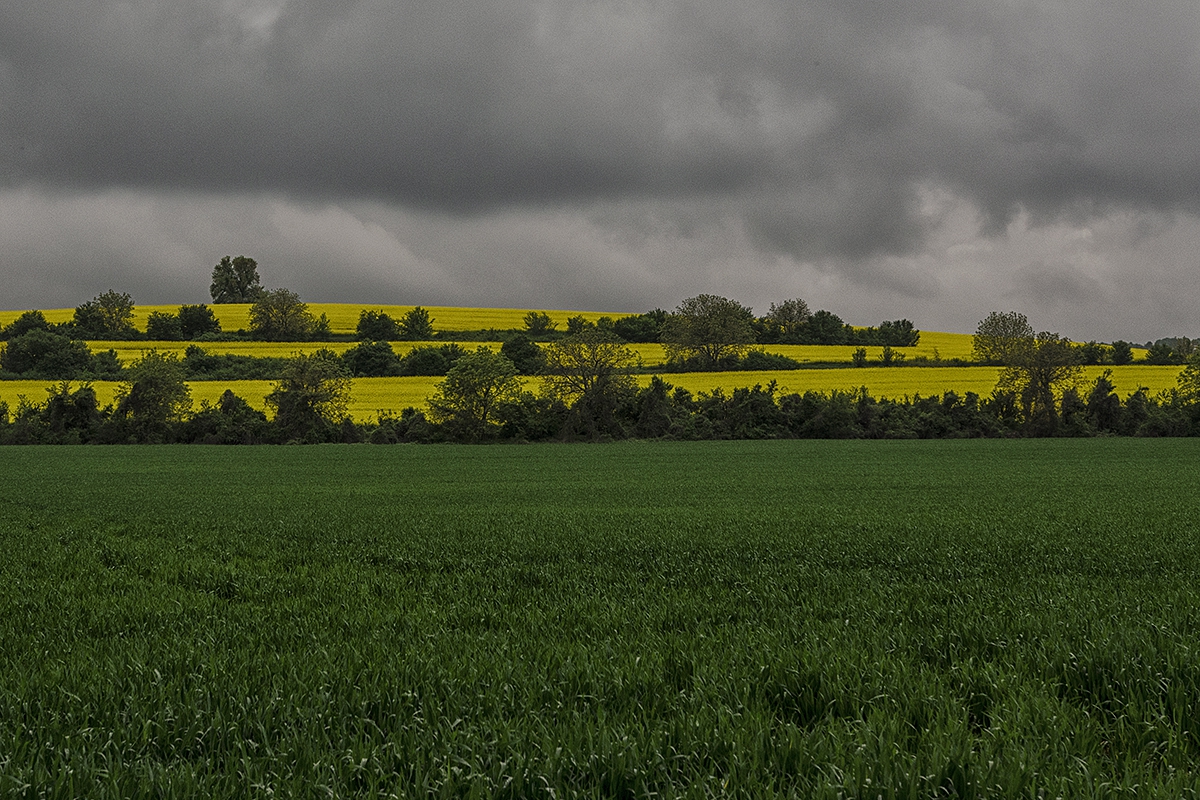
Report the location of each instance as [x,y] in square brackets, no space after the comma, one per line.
[597,152]
[465,106]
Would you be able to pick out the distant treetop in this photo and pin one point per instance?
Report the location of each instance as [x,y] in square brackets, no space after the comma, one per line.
[235,280]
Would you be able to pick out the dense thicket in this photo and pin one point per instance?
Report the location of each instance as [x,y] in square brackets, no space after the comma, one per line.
[622,410]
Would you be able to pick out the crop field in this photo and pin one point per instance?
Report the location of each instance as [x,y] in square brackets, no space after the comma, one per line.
[372,395]
[748,619]
[343,317]
[128,352]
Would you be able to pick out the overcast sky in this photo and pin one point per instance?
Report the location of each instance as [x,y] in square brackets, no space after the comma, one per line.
[927,159]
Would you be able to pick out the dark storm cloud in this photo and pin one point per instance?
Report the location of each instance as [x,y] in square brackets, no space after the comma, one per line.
[816,121]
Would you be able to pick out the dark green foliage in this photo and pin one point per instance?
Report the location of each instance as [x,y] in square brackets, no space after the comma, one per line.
[230,421]
[28,321]
[416,325]
[1122,352]
[824,327]
[410,426]
[198,320]
[754,619]
[760,360]
[163,327]
[526,356]
[640,328]
[538,323]
[372,360]
[235,280]
[279,315]
[1094,353]
[530,418]
[1162,353]
[39,353]
[431,359]
[153,398]
[189,324]
[204,366]
[376,326]
[897,333]
[311,397]
[466,402]
[578,324]
[107,316]
[708,329]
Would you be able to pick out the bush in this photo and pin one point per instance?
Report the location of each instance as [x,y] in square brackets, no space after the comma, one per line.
[196,321]
[372,360]
[162,327]
[41,354]
[376,326]
[431,360]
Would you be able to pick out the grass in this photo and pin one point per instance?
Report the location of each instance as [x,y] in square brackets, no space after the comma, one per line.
[750,619]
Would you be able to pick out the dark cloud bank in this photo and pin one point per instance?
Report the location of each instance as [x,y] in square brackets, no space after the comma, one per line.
[928,159]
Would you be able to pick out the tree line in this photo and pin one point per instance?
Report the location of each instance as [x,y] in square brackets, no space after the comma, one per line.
[587,392]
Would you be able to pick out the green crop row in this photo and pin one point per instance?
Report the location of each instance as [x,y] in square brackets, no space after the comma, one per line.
[745,619]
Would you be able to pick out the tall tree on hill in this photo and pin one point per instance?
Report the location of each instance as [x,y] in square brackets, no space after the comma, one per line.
[708,328]
[235,280]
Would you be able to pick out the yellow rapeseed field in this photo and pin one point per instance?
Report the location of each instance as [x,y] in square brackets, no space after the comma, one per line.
[128,352]
[369,396]
[343,317]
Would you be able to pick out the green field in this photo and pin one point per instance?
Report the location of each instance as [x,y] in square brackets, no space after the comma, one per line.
[754,619]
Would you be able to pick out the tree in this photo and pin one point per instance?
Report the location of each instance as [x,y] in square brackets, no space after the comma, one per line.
[372,360]
[197,320]
[416,325]
[154,394]
[279,315]
[785,321]
[106,316]
[524,353]
[1189,380]
[431,360]
[1162,354]
[824,327]
[538,323]
[640,327]
[1039,373]
[1122,352]
[466,400]
[163,327]
[311,396]
[898,333]
[590,373]
[1000,336]
[376,326]
[30,320]
[1037,367]
[235,280]
[708,328]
